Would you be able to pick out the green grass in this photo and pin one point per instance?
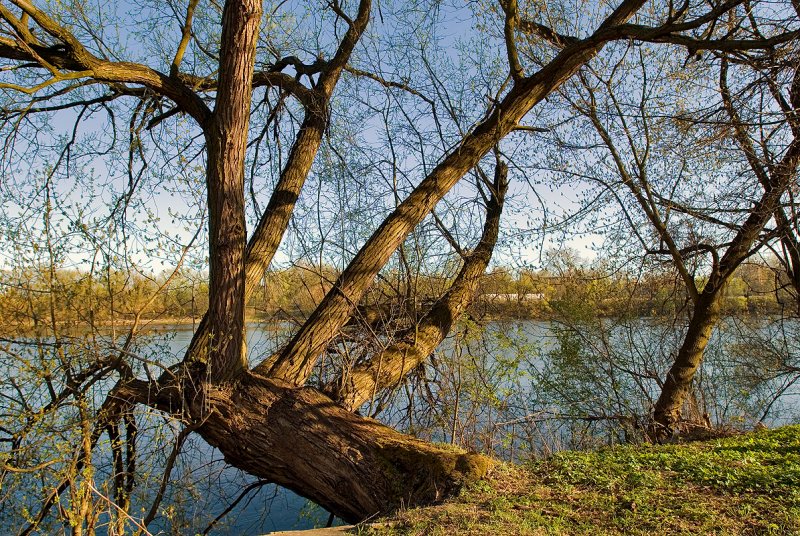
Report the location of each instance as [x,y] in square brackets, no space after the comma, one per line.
[746,484]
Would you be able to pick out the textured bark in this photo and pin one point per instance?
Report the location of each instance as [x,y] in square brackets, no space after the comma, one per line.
[226,138]
[353,466]
[272,226]
[678,383]
[390,366]
[267,237]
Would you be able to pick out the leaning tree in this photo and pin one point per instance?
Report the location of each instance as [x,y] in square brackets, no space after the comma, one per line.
[214,82]
[700,154]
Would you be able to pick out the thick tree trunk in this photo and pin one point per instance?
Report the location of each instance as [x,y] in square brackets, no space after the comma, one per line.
[226,137]
[667,412]
[270,426]
[271,228]
[273,224]
[353,466]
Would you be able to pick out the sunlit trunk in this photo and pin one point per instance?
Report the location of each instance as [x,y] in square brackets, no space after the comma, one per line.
[353,466]
[678,383]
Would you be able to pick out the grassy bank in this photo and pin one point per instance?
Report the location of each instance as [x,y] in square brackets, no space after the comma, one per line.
[746,484]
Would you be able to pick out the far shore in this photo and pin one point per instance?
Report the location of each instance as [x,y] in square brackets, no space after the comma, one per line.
[184,322]
[479,312]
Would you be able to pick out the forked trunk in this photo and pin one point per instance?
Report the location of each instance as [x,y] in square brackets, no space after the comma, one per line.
[353,466]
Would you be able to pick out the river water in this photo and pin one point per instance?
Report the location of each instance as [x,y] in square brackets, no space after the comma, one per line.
[514,389]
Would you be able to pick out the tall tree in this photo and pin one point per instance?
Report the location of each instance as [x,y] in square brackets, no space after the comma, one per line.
[704,187]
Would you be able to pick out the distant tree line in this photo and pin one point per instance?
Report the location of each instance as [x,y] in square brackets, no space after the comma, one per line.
[29,297]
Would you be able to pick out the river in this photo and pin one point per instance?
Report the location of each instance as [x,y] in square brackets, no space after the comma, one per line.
[515,389]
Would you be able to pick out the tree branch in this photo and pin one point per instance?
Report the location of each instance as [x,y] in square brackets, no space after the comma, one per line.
[71,55]
[296,360]
[391,365]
